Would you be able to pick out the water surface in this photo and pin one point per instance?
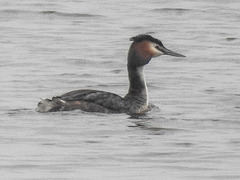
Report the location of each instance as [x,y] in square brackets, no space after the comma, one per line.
[52,47]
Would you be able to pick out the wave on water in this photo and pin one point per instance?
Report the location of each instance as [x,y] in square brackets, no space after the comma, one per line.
[172,9]
[13,112]
[231,38]
[68,14]
[55,13]
[13,11]
[178,11]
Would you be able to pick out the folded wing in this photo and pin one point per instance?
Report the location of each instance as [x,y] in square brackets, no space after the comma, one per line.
[106,100]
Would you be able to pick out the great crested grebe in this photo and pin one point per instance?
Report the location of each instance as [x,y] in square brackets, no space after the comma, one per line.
[143,48]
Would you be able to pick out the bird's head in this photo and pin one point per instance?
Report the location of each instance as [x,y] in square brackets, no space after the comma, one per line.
[145,47]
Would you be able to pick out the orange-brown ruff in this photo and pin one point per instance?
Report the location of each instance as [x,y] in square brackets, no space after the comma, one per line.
[141,51]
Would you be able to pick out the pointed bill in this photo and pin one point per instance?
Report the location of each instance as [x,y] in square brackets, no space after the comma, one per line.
[171,53]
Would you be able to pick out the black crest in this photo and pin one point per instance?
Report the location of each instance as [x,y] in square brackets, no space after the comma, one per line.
[146,37]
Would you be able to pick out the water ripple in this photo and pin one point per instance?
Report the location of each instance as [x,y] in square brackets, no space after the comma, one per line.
[55,13]
[64,14]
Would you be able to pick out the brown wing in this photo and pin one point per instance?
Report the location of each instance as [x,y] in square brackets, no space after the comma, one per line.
[106,100]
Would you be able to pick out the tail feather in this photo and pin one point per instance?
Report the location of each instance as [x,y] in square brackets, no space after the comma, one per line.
[47,105]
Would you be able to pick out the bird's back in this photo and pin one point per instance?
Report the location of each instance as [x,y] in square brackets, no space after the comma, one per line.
[87,100]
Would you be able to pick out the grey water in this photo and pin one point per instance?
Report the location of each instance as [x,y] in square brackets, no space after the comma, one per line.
[49,47]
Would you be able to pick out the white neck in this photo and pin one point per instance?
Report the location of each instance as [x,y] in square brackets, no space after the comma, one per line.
[138,89]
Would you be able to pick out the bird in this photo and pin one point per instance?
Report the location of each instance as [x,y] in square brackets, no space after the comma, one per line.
[143,48]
